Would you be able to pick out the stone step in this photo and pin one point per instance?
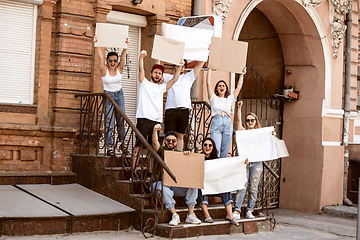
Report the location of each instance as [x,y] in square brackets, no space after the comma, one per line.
[41,177]
[38,209]
[219,227]
[216,211]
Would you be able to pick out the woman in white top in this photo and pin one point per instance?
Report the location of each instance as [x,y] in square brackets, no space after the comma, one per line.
[111,75]
[221,100]
[253,169]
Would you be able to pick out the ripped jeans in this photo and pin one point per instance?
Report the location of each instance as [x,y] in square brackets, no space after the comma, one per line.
[253,173]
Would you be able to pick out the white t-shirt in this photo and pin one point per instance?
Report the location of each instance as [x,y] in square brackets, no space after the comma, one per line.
[112,84]
[178,95]
[220,104]
[150,101]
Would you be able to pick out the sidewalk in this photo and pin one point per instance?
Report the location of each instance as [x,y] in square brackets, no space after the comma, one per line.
[290,225]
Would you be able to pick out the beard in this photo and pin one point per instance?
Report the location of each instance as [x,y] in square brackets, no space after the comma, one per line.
[154,80]
[167,147]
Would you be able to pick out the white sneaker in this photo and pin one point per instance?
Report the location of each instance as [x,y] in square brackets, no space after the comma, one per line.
[191,218]
[175,219]
[249,214]
[236,215]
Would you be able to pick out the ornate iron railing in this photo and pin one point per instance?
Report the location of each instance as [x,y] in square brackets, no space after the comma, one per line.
[96,137]
[267,109]
[199,125]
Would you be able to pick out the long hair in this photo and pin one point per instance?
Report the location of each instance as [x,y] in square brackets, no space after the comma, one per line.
[214,152]
[257,124]
[227,89]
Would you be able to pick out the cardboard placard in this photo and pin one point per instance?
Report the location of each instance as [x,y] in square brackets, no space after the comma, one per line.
[197,41]
[111,35]
[228,55]
[167,50]
[188,169]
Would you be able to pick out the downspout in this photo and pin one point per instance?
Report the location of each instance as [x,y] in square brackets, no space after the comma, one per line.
[346,120]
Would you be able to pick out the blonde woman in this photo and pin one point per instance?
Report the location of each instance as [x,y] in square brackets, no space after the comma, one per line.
[253,169]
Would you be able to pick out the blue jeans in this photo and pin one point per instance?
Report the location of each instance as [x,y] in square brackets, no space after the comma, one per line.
[225,198]
[221,131]
[191,195]
[109,116]
[253,173]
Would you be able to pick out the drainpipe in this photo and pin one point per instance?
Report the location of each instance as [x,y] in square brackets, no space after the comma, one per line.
[346,119]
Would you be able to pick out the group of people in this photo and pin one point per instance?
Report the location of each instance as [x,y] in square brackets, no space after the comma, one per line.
[149,115]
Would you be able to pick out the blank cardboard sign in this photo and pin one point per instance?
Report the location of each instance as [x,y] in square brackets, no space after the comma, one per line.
[188,169]
[111,35]
[168,50]
[228,55]
[196,40]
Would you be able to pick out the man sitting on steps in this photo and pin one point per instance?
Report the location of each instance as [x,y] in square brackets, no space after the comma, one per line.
[169,192]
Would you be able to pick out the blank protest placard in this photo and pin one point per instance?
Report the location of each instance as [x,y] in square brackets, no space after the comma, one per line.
[111,35]
[256,144]
[188,169]
[227,55]
[197,41]
[167,50]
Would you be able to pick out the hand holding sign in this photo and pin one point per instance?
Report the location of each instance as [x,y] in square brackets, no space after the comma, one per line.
[111,35]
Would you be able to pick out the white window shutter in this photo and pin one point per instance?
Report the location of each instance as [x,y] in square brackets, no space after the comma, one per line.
[17,38]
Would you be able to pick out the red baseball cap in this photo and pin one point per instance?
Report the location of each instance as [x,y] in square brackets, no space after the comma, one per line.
[158,66]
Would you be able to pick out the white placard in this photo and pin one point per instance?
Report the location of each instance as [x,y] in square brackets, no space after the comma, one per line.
[224,175]
[197,41]
[111,35]
[281,148]
[256,144]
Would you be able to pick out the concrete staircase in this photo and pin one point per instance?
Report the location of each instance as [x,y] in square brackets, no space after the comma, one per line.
[102,175]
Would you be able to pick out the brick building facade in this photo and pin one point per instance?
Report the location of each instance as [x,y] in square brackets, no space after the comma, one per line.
[40,134]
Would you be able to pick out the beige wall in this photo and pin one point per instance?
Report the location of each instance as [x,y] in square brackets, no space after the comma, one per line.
[312,169]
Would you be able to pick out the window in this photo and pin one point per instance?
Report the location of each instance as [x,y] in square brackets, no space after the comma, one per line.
[17,51]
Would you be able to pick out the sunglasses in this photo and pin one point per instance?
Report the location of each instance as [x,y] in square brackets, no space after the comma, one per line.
[112,60]
[206,145]
[250,120]
[171,140]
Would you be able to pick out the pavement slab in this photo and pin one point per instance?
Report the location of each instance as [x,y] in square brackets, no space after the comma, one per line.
[15,203]
[76,199]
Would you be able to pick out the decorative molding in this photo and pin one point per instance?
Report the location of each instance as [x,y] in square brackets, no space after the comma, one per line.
[338,27]
[313,3]
[221,8]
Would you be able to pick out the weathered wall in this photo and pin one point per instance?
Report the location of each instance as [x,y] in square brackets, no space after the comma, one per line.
[43,136]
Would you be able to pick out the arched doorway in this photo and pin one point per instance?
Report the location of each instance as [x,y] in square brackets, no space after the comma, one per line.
[287,45]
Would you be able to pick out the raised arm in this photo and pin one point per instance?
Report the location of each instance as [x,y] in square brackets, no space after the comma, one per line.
[122,62]
[208,84]
[198,68]
[100,52]
[143,54]
[155,138]
[170,83]
[240,83]
[238,123]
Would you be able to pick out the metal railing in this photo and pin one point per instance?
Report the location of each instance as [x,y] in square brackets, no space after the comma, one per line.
[126,141]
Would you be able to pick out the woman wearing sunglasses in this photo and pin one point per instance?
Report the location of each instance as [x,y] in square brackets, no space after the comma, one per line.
[111,74]
[221,100]
[253,169]
[210,151]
